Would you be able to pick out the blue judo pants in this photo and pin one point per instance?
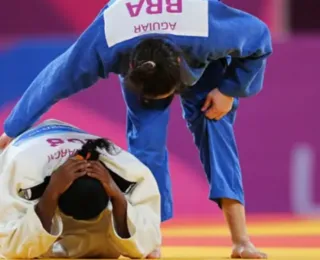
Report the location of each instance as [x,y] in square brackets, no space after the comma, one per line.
[147,135]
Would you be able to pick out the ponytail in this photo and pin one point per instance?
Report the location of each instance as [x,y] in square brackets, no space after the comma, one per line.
[89,149]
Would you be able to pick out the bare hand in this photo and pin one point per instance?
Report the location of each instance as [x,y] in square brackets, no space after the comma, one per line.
[66,174]
[4,141]
[217,105]
[98,171]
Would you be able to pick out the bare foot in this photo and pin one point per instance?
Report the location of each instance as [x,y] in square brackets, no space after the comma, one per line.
[247,251]
[155,254]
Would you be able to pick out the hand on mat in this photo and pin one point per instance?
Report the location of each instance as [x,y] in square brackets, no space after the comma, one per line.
[217,105]
[4,141]
[98,171]
[66,174]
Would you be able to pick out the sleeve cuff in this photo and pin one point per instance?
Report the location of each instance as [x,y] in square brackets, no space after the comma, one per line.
[35,224]
[230,90]
[8,130]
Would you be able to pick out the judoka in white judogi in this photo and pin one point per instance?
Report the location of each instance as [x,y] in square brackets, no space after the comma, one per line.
[25,169]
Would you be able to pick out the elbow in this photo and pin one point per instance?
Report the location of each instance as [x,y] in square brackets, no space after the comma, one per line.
[266,39]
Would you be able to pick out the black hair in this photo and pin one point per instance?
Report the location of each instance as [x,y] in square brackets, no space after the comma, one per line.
[89,150]
[154,68]
[86,198]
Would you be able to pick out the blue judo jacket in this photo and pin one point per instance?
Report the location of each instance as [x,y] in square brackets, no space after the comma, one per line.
[204,30]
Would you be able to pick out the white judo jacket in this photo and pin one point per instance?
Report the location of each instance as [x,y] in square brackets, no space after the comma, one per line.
[36,154]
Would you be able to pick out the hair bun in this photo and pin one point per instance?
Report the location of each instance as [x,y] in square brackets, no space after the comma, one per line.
[142,72]
[149,65]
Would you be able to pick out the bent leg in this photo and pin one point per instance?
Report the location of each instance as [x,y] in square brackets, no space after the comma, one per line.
[215,140]
[218,153]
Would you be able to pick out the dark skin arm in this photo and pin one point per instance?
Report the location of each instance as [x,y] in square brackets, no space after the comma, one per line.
[118,200]
[46,209]
[119,204]
[60,181]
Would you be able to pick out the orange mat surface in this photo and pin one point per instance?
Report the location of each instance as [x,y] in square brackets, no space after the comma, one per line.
[282,237]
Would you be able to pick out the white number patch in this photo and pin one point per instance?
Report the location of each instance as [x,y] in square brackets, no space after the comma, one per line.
[125,19]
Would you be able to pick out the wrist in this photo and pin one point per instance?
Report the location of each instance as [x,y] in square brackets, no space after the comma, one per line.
[113,191]
[52,192]
[50,195]
[47,205]
[117,197]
